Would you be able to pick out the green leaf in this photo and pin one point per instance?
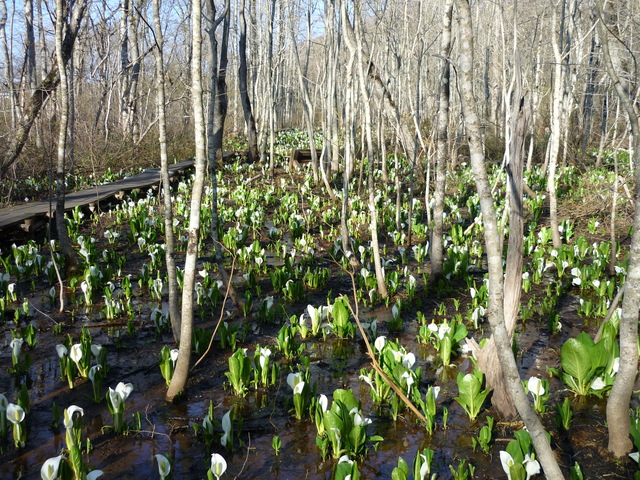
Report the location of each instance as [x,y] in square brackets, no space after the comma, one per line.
[513,449]
[461,332]
[75,458]
[517,471]
[340,312]
[398,474]
[347,398]
[576,360]
[331,420]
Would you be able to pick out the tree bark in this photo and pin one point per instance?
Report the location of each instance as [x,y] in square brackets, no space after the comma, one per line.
[356,49]
[249,119]
[181,373]
[8,67]
[71,259]
[556,124]
[442,134]
[618,422]
[169,238]
[494,255]
[218,105]
[306,104]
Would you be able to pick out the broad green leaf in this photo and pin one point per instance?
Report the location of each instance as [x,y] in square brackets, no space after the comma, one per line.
[514,449]
[599,357]
[398,474]
[331,420]
[517,471]
[347,398]
[575,359]
[461,332]
[340,312]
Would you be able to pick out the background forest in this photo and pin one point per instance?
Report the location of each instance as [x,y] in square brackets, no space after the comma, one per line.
[455,178]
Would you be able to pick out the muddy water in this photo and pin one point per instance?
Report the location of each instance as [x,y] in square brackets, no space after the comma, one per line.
[168,429]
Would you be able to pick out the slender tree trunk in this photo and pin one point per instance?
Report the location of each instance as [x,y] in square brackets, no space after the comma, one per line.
[132,100]
[8,67]
[30,47]
[125,80]
[556,125]
[306,104]
[603,128]
[71,259]
[181,373]
[356,48]
[349,121]
[271,90]
[169,238]
[591,89]
[218,105]
[618,422]
[442,150]
[494,255]
[249,119]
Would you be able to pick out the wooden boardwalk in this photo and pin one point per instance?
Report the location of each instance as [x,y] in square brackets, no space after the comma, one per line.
[31,215]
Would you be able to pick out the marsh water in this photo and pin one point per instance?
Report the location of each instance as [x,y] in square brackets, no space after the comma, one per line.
[168,428]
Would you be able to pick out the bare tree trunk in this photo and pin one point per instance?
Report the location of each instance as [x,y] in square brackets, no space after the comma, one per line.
[181,373]
[30,47]
[442,150]
[306,103]
[125,80]
[556,124]
[71,143]
[249,119]
[44,51]
[591,89]
[348,163]
[169,239]
[494,255]
[71,259]
[356,49]
[218,105]
[603,127]
[272,90]
[8,66]
[134,115]
[619,398]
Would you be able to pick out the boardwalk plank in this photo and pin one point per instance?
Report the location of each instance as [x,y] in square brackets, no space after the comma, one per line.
[23,214]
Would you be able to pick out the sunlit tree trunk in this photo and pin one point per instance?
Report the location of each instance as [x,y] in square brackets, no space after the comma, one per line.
[169,238]
[181,372]
[71,259]
[356,49]
[442,150]
[8,64]
[130,70]
[218,105]
[30,48]
[306,104]
[618,422]
[556,125]
[271,93]
[494,255]
[349,120]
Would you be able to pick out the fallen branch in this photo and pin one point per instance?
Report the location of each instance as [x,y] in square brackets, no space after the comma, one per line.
[215,330]
[374,363]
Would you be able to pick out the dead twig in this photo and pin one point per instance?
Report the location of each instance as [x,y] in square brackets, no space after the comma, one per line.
[374,363]
[215,330]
